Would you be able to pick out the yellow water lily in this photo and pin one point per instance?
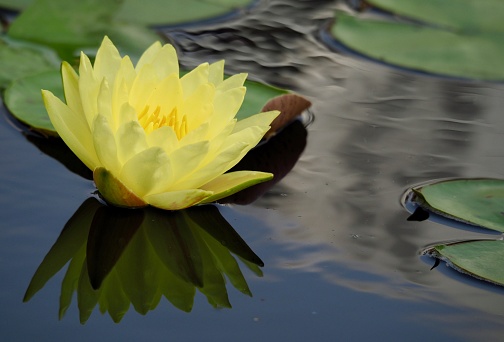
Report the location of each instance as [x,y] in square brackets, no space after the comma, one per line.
[152,137]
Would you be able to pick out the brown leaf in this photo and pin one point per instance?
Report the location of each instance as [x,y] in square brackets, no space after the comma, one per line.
[290,107]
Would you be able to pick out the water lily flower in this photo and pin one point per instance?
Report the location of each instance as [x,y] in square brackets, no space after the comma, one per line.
[154,138]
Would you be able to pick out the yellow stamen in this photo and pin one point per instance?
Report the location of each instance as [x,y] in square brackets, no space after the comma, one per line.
[156,119]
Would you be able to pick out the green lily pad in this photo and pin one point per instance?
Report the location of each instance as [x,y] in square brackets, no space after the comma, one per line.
[475,201]
[256,97]
[15,4]
[21,59]
[24,101]
[474,15]
[162,12]
[71,25]
[64,23]
[472,53]
[482,259]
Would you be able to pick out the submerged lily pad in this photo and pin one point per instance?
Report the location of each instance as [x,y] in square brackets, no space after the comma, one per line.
[24,100]
[469,52]
[482,259]
[475,201]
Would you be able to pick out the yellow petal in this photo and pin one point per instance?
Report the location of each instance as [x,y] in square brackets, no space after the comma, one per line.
[165,62]
[216,72]
[198,107]
[163,137]
[231,82]
[214,168]
[166,95]
[131,140]
[71,88]
[196,135]
[250,136]
[114,191]
[261,119]
[230,183]
[88,89]
[121,87]
[143,86]
[148,55]
[176,200]
[126,114]
[192,80]
[126,72]
[146,171]
[226,105]
[107,61]
[72,128]
[105,145]
[104,104]
[187,159]
[217,140]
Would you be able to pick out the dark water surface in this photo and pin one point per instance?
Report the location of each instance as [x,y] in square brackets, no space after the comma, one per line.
[341,261]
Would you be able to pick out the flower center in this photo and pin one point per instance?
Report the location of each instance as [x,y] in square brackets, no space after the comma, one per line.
[155,119]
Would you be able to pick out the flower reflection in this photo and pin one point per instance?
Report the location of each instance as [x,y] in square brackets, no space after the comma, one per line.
[119,257]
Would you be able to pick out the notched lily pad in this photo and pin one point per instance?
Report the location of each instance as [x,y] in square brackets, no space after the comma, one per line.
[474,203]
[483,259]
[478,202]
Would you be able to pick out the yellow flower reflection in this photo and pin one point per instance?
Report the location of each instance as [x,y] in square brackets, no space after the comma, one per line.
[152,138]
[118,258]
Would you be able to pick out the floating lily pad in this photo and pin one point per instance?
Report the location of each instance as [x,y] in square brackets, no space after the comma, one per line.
[482,259]
[474,15]
[24,100]
[162,12]
[256,97]
[473,53]
[475,201]
[70,25]
[18,60]
[15,4]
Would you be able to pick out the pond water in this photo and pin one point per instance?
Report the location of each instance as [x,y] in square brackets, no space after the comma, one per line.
[341,261]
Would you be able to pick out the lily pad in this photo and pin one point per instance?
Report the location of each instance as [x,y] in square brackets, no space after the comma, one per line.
[24,101]
[482,259]
[256,97]
[69,25]
[475,201]
[15,4]
[21,59]
[162,12]
[474,15]
[475,53]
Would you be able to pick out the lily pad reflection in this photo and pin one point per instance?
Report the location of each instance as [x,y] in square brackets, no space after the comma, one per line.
[119,257]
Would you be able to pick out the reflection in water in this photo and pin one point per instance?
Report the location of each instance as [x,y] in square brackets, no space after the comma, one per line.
[377,131]
[119,257]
